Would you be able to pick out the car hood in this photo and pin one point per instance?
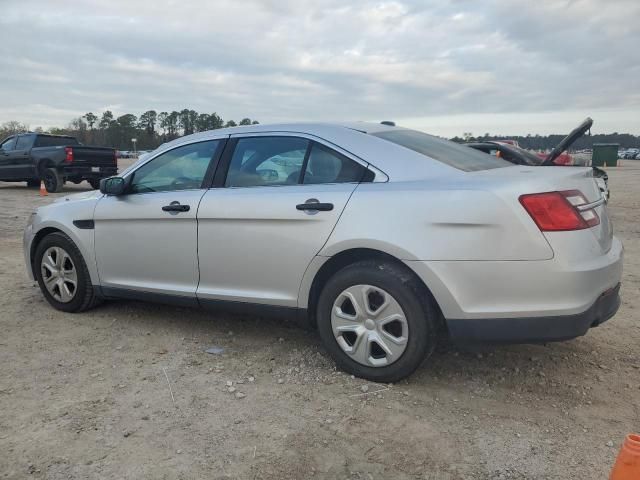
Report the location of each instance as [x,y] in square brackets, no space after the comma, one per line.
[79,196]
[567,141]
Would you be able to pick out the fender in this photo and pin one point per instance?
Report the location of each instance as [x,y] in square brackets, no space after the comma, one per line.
[52,217]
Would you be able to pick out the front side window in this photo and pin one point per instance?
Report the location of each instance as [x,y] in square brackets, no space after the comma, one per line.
[266,161]
[182,168]
[7,145]
[23,142]
[326,166]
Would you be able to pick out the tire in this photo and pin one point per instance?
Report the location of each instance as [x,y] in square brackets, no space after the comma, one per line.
[382,281]
[83,296]
[33,183]
[95,183]
[53,180]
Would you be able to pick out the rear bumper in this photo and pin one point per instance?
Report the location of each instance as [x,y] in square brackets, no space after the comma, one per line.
[535,329]
[525,301]
[88,172]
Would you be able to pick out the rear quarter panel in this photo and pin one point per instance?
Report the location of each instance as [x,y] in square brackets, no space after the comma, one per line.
[434,221]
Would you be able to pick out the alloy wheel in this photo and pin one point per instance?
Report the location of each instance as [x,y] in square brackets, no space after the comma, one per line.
[59,274]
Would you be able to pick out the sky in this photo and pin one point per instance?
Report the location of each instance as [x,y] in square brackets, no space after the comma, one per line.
[445,67]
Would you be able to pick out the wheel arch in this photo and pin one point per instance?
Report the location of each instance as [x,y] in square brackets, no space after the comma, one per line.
[325,267]
[81,243]
[38,237]
[42,165]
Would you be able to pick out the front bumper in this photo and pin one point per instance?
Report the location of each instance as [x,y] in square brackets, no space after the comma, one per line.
[27,238]
[535,329]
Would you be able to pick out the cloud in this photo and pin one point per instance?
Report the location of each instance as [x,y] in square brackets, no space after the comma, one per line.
[288,60]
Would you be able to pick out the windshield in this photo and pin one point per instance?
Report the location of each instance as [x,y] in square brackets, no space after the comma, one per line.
[445,151]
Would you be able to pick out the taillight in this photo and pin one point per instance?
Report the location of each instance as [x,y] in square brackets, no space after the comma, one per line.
[68,155]
[559,211]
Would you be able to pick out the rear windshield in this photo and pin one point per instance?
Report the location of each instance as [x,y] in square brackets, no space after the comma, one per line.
[46,141]
[445,151]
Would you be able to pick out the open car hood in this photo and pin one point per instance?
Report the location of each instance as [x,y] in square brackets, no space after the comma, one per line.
[568,141]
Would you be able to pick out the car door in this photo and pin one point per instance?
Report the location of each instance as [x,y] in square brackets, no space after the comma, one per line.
[146,239]
[6,148]
[275,201]
[19,157]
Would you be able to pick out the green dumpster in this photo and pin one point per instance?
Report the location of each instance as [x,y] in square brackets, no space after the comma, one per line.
[605,154]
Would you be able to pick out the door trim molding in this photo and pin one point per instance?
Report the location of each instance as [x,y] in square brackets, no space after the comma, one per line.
[300,315]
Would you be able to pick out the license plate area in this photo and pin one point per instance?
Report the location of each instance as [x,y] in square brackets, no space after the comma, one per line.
[95,169]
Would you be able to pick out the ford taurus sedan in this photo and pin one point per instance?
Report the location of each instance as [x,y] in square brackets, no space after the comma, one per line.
[379,236]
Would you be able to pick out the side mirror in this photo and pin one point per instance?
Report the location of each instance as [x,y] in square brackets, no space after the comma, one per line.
[112,186]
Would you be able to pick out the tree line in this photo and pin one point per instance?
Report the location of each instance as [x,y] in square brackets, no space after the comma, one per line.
[149,129]
[152,129]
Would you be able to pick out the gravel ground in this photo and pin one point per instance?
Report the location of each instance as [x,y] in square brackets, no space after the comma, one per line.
[127,390]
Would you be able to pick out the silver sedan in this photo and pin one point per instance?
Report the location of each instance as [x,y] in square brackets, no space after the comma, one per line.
[382,238]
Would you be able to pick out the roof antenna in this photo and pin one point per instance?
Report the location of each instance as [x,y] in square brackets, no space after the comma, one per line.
[388,122]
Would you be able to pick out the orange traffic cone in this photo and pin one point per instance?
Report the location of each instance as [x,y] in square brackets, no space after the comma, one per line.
[43,190]
[627,466]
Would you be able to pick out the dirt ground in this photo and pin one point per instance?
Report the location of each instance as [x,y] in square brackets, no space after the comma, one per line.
[126,391]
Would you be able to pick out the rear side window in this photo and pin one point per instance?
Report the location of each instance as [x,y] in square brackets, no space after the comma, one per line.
[327,166]
[47,141]
[269,161]
[23,143]
[265,161]
[445,151]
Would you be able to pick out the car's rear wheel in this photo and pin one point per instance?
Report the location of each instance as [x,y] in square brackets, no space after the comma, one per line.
[376,321]
[53,180]
[62,274]
[95,183]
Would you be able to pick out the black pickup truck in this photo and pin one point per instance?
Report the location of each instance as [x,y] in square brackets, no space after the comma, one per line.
[32,157]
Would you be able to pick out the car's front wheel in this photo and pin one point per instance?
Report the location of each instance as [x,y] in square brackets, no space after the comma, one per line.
[376,321]
[62,274]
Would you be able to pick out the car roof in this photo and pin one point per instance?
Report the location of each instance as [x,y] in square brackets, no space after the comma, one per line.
[312,128]
[397,162]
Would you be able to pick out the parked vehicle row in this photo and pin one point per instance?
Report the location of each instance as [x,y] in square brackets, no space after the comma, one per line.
[55,159]
[630,154]
[131,154]
[379,236]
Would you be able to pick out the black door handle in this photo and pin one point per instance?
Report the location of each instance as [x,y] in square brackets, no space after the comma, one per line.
[313,204]
[176,207]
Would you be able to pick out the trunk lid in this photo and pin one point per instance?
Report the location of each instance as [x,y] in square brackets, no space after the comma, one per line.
[567,141]
[519,180]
